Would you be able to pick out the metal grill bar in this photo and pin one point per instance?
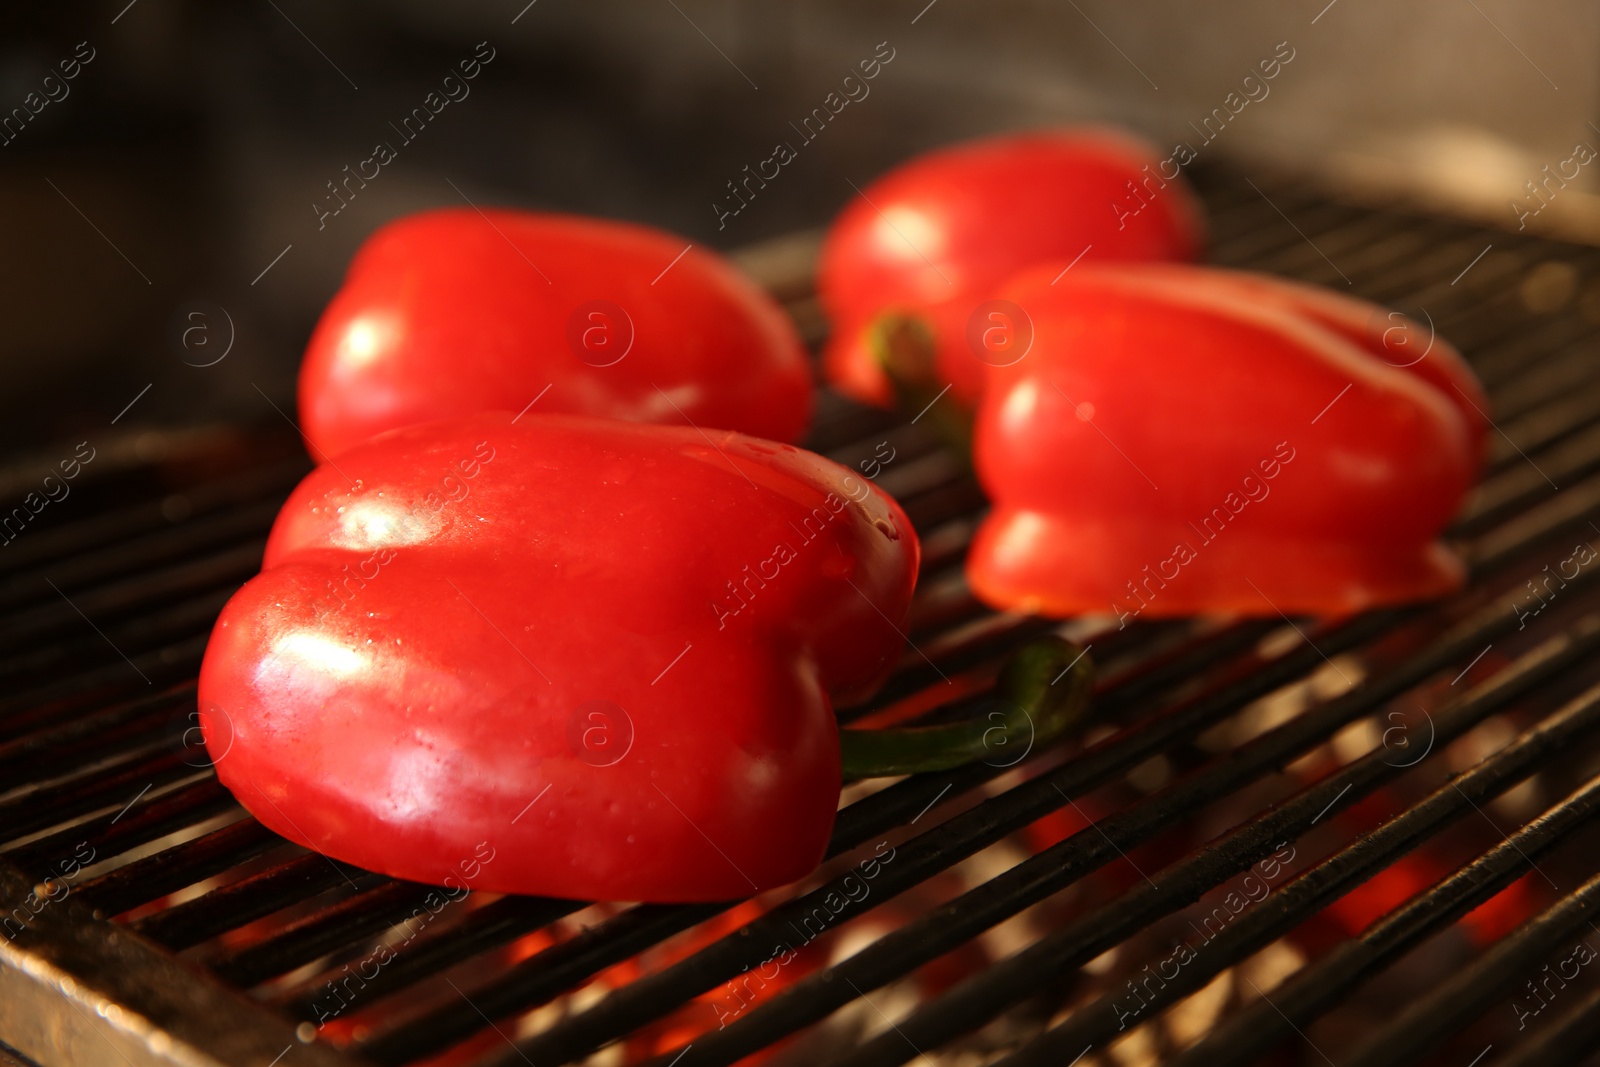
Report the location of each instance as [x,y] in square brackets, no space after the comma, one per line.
[539,978]
[1443,1010]
[1566,1039]
[225,528]
[175,868]
[131,594]
[305,940]
[1099,1023]
[42,753]
[482,930]
[246,900]
[144,821]
[91,791]
[83,991]
[1000,987]
[97,686]
[187,617]
[81,539]
[1312,992]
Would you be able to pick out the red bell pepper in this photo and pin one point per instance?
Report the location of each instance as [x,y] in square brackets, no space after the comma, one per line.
[1184,440]
[574,657]
[453,312]
[938,236]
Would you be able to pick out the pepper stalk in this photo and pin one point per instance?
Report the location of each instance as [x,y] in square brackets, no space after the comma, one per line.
[1043,691]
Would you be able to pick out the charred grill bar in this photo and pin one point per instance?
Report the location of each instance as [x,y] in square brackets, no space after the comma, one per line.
[194,935]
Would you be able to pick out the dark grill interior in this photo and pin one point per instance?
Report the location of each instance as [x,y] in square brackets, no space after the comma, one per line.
[1026,915]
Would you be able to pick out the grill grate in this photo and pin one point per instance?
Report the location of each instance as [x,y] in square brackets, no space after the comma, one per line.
[987,936]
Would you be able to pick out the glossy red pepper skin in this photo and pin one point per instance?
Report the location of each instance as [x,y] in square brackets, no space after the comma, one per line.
[1184,440]
[939,235]
[606,652]
[448,313]
[1391,336]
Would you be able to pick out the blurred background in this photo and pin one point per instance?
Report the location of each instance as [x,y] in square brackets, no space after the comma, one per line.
[179,172]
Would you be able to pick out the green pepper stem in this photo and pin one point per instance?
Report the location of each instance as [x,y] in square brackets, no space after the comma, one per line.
[1041,694]
[904,346]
